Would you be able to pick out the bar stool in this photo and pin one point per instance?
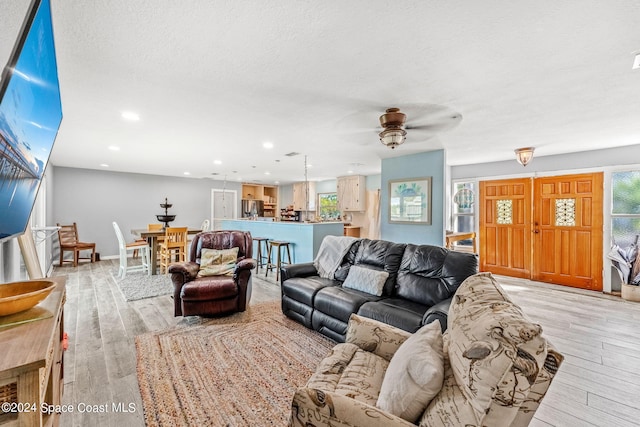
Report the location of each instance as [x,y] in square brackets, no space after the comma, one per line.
[279,246]
[261,256]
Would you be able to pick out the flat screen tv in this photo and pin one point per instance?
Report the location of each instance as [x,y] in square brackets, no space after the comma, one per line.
[30,115]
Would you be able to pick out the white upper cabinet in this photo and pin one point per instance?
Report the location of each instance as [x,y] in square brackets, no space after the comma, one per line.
[300,196]
[351,193]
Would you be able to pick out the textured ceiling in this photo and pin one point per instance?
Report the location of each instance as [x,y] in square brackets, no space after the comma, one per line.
[213,80]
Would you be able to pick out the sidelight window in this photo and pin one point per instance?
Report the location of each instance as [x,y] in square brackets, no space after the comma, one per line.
[625,215]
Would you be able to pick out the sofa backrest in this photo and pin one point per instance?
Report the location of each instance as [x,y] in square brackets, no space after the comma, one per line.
[499,364]
[222,239]
[376,255]
[430,274]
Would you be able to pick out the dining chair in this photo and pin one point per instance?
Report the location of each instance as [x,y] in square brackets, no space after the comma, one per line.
[173,247]
[69,242]
[141,246]
[156,227]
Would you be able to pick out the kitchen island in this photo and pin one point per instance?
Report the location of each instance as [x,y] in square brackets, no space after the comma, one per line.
[304,238]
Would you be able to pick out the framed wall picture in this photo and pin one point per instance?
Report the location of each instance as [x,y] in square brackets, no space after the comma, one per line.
[410,201]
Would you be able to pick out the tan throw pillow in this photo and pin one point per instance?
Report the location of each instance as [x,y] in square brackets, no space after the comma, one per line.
[366,280]
[217,262]
[415,374]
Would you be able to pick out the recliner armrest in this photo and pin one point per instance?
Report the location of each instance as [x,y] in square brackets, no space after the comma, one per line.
[305,269]
[440,312]
[188,269]
[246,264]
[325,409]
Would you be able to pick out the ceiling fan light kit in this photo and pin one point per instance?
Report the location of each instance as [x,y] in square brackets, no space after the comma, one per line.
[393,121]
[392,137]
[524,155]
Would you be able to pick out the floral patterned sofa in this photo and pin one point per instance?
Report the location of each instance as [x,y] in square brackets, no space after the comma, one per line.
[495,369]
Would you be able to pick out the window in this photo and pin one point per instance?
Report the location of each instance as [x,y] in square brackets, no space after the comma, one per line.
[463,207]
[328,206]
[625,215]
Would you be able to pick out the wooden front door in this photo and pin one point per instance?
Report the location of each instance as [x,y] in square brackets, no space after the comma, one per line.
[567,243]
[547,229]
[505,227]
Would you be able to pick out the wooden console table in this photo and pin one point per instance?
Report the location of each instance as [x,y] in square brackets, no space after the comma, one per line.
[31,366]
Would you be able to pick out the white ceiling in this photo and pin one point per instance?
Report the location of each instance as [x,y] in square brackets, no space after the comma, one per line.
[213,80]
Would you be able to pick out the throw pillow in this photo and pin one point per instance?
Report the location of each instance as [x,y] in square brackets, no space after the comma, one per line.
[415,374]
[217,262]
[366,280]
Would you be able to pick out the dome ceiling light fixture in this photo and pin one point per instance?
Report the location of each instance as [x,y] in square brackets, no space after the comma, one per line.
[393,123]
[524,155]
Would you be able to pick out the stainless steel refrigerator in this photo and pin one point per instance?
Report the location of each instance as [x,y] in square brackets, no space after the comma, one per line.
[252,208]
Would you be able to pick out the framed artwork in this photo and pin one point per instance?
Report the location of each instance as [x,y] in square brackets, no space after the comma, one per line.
[410,201]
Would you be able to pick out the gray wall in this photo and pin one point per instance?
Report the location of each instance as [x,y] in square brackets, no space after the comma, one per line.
[94,199]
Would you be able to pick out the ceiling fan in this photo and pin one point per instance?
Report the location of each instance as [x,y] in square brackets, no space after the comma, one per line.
[395,130]
[413,122]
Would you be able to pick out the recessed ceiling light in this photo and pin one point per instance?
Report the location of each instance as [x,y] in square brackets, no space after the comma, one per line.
[267,144]
[130,115]
[349,171]
[309,166]
[267,173]
[114,148]
[217,162]
[187,173]
[104,165]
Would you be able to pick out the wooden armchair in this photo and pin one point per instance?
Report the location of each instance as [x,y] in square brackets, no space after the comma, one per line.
[68,238]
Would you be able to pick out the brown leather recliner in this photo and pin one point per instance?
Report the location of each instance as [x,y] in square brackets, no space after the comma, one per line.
[213,295]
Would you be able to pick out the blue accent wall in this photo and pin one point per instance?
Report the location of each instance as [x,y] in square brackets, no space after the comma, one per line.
[431,163]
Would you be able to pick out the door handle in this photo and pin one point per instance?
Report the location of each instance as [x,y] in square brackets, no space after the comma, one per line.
[536,231]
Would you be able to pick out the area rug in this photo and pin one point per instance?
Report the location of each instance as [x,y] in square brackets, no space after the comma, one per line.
[137,286]
[241,370]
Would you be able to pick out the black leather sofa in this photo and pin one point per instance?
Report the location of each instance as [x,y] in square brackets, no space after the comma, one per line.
[422,280]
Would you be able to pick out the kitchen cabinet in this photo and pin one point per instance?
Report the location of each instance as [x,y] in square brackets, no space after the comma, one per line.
[351,231]
[300,197]
[351,193]
[267,193]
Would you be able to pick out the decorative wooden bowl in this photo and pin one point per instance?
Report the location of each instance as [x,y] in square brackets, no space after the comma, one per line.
[20,296]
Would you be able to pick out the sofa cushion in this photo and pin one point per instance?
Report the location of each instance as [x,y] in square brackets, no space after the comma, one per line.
[380,255]
[401,313]
[366,280]
[414,375]
[340,303]
[495,352]
[429,274]
[352,372]
[304,289]
[217,262]
[374,336]
[209,288]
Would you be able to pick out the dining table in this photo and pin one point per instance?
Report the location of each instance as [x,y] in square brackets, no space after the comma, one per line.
[154,237]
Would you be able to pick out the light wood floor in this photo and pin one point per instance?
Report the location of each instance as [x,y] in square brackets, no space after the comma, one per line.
[599,335]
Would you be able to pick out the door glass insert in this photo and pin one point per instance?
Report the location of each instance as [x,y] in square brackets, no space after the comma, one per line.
[505,211]
[565,212]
